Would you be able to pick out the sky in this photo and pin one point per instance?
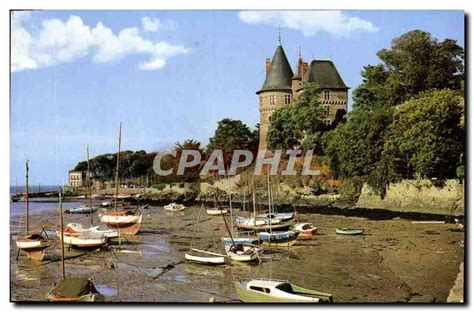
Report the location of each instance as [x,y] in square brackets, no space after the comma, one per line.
[169,76]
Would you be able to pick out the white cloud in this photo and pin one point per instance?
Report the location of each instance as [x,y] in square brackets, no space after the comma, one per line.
[309,22]
[59,42]
[151,24]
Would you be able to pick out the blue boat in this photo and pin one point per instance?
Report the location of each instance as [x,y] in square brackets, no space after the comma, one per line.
[278,238]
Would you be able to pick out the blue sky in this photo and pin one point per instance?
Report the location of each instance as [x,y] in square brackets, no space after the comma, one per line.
[169,75]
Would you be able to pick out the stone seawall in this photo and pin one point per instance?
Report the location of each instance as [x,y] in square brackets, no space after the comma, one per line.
[419,196]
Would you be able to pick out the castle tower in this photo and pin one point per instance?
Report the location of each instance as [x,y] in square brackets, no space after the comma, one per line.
[276,91]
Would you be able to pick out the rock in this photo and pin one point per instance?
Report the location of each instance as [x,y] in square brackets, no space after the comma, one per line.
[212,300]
[109,264]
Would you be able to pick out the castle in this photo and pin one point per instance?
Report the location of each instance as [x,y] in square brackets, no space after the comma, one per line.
[282,87]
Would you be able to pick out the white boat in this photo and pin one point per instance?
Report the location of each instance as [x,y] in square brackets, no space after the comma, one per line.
[105,204]
[258,221]
[101,229]
[283,216]
[174,207]
[83,239]
[81,209]
[243,252]
[124,221]
[210,258]
[216,212]
[260,290]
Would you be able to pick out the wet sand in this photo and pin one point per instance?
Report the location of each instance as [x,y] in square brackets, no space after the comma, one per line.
[395,261]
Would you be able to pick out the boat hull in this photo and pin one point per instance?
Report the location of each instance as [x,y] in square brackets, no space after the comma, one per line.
[123,224]
[216,212]
[349,231]
[208,260]
[266,227]
[34,249]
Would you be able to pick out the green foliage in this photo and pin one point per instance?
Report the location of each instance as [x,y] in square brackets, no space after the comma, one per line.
[460,172]
[233,135]
[425,136]
[299,125]
[415,63]
[351,187]
[159,186]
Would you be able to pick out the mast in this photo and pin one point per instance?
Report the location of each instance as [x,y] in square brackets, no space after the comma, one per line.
[117,169]
[230,201]
[27,202]
[61,225]
[254,204]
[225,222]
[269,200]
[89,184]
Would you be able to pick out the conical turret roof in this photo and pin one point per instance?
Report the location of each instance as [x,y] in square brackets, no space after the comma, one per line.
[280,74]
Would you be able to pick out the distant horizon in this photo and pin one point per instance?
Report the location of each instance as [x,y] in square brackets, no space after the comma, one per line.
[170,75]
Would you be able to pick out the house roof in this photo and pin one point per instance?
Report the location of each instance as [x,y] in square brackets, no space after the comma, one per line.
[280,73]
[325,75]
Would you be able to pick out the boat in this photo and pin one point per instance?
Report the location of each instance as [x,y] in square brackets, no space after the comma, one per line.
[81,209]
[243,252]
[86,239]
[305,230]
[216,212]
[101,229]
[75,289]
[347,231]
[283,216]
[33,244]
[126,220]
[207,257]
[260,290]
[105,204]
[278,238]
[174,207]
[240,240]
[71,289]
[15,198]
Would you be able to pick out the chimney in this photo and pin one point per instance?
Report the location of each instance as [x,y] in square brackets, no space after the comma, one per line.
[267,65]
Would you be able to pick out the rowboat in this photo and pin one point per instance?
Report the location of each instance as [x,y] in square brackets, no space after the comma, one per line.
[80,228]
[208,258]
[216,212]
[258,290]
[105,204]
[347,231]
[82,239]
[278,238]
[263,226]
[305,230]
[74,289]
[243,252]
[174,207]
[240,240]
[34,245]
[81,209]
[124,221]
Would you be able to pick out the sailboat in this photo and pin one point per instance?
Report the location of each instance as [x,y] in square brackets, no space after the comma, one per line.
[242,252]
[126,221]
[276,238]
[72,289]
[81,229]
[203,256]
[15,197]
[34,244]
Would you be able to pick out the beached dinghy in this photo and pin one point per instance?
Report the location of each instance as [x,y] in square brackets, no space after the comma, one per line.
[249,240]
[278,291]
[174,207]
[82,239]
[216,212]
[283,216]
[124,221]
[305,230]
[81,209]
[278,238]
[205,257]
[101,229]
[75,289]
[243,252]
[347,231]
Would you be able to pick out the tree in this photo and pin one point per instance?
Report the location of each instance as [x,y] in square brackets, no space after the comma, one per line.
[415,63]
[426,137]
[190,174]
[233,135]
[299,125]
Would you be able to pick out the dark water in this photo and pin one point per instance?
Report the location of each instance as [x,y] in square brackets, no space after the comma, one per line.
[18,208]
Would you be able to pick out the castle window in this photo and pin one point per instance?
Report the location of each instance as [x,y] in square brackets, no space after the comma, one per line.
[287,99]
[327,122]
[327,95]
[272,99]
[326,111]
